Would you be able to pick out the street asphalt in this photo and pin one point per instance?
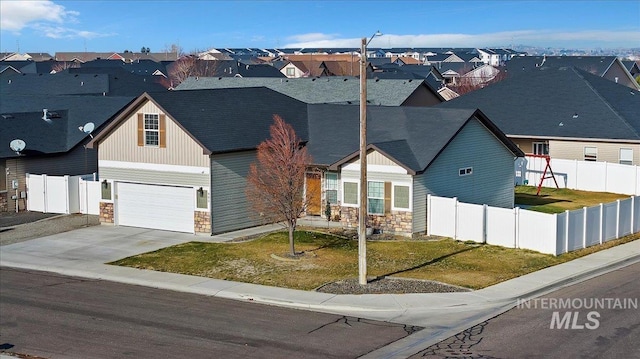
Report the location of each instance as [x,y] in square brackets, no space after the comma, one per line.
[84,252]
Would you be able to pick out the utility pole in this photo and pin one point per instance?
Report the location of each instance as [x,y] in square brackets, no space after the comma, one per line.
[362,210]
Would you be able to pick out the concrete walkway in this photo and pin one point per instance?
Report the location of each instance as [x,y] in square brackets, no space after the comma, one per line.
[84,253]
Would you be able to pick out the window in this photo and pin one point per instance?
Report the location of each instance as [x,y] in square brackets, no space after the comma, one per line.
[331,187]
[465,171]
[151,129]
[591,154]
[626,156]
[201,198]
[401,197]
[291,72]
[375,197]
[540,148]
[350,193]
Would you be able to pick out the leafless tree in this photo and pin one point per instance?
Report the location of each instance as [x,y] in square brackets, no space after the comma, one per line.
[189,66]
[61,66]
[275,183]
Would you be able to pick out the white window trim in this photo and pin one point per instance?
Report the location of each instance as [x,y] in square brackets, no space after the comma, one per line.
[393,195]
[620,159]
[345,204]
[377,198]
[468,171]
[535,145]
[584,154]
[326,189]
[144,128]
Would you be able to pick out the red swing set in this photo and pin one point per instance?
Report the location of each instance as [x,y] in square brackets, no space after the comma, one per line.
[544,174]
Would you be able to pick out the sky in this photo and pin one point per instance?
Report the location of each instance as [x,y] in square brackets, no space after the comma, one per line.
[118,25]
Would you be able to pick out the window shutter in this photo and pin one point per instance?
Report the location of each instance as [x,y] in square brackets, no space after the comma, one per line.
[163,131]
[387,197]
[140,129]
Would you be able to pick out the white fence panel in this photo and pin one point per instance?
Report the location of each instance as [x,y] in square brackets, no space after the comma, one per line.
[591,176]
[537,231]
[35,192]
[636,215]
[610,221]
[501,226]
[442,216]
[575,229]
[592,226]
[624,224]
[89,196]
[57,194]
[621,178]
[561,233]
[470,224]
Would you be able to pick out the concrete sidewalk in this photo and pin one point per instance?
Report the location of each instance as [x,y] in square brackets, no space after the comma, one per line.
[84,253]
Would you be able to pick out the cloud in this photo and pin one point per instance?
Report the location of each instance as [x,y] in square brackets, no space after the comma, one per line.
[46,17]
[16,15]
[497,39]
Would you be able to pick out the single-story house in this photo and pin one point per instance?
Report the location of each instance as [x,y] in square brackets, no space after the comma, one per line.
[178,160]
[563,112]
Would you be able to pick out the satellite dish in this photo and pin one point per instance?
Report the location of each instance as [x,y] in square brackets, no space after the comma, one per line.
[17,145]
[88,128]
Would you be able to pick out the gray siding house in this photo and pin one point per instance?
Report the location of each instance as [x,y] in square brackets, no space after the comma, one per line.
[179,160]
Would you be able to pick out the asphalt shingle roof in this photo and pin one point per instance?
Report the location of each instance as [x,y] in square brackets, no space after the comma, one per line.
[224,120]
[22,119]
[543,103]
[318,90]
[413,136]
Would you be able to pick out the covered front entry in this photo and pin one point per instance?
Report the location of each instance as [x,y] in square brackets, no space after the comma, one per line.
[168,208]
[313,193]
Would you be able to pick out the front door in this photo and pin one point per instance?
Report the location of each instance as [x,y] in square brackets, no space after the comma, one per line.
[312,194]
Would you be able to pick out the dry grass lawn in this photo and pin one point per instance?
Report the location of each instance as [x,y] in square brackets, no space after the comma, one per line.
[552,200]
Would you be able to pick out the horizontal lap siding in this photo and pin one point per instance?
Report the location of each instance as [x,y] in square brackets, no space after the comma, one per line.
[154,177]
[229,206]
[492,181]
[420,193]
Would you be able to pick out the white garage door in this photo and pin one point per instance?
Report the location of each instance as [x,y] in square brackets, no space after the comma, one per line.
[158,207]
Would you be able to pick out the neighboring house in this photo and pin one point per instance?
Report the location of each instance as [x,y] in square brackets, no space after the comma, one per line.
[566,113]
[633,67]
[331,89]
[123,56]
[479,75]
[178,160]
[66,83]
[497,57]
[54,146]
[608,67]
[233,68]
[412,152]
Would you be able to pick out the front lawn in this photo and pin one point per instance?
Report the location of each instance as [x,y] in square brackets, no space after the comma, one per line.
[331,258]
[552,200]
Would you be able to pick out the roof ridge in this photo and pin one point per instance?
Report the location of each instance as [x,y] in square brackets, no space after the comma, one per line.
[604,100]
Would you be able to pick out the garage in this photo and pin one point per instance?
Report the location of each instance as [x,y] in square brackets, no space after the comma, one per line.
[168,208]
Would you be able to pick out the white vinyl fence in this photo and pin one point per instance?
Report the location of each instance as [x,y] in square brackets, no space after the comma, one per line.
[580,175]
[519,228]
[62,194]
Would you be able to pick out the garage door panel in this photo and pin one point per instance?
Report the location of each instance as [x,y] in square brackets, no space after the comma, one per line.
[159,207]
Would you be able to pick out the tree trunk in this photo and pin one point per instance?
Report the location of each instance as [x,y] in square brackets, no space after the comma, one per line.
[292,228]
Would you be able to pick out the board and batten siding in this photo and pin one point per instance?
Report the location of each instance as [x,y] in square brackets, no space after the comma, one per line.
[607,151]
[493,179]
[122,144]
[229,205]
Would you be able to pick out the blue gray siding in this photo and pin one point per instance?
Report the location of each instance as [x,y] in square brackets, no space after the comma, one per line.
[493,177]
[229,206]
[491,183]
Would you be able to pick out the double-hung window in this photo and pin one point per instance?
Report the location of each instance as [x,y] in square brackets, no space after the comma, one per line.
[401,197]
[626,156]
[151,129]
[375,196]
[331,187]
[591,154]
[350,193]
